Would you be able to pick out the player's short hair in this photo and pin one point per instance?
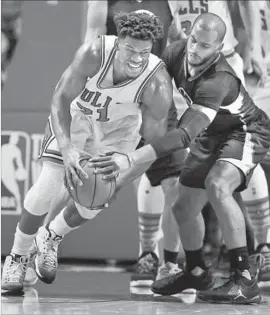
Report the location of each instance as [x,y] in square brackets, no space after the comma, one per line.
[141,24]
[211,21]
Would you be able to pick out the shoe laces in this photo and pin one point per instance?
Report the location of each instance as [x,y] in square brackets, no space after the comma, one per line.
[147,263]
[49,250]
[16,266]
[174,270]
[262,259]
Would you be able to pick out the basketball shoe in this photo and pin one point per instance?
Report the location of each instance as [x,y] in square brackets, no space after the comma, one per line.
[146,271]
[46,261]
[241,288]
[261,259]
[197,278]
[167,269]
[14,271]
[31,277]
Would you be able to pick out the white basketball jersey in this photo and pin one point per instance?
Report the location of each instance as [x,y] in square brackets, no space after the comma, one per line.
[191,9]
[265,29]
[112,110]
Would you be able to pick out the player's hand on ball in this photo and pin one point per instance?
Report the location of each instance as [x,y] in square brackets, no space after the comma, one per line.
[73,170]
[111,164]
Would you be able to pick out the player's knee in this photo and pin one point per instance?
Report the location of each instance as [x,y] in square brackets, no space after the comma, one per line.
[217,187]
[35,202]
[179,212]
[85,213]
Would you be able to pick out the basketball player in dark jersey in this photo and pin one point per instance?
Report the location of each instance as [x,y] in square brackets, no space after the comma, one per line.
[10,33]
[228,137]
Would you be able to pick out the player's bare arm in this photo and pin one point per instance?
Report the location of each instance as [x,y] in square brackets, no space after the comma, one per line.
[156,102]
[85,64]
[250,14]
[96,20]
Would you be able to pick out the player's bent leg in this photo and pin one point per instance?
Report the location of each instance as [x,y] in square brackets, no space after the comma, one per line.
[150,202]
[36,204]
[187,210]
[50,236]
[171,239]
[221,183]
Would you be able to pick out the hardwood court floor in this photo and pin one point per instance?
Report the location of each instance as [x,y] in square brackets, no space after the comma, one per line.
[106,290]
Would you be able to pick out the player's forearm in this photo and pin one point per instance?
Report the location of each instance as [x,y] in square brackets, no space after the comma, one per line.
[250,14]
[172,141]
[61,121]
[133,173]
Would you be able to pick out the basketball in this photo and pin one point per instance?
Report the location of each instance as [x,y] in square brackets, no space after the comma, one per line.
[96,191]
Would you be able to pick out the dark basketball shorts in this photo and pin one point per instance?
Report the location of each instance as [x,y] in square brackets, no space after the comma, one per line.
[165,167]
[10,33]
[244,148]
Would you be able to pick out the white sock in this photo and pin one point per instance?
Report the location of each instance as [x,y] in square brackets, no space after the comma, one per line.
[150,207]
[256,201]
[60,226]
[22,242]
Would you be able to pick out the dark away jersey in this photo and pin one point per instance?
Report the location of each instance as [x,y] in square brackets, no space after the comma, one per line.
[216,87]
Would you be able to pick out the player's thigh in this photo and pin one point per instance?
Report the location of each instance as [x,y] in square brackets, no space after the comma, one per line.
[166,167]
[245,150]
[201,158]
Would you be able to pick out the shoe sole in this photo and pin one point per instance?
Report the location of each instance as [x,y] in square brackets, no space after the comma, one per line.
[141,283]
[164,293]
[12,288]
[255,300]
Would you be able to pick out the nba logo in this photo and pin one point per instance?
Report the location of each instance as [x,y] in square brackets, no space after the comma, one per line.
[15,162]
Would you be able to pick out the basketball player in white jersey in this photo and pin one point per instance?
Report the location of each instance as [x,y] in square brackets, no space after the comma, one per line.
[261,215]
[150,199]
[113,88]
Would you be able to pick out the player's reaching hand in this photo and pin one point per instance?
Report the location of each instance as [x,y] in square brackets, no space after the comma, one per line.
[254,62]
[73,170]
[111,164]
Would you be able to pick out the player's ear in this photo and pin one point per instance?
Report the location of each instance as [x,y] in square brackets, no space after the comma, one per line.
[117,44]
[221,45]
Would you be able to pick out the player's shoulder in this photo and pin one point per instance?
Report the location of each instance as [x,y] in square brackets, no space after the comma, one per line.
[175,49]
[160,78]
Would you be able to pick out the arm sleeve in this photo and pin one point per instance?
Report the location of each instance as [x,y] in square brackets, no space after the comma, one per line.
[210,93]
[190,125]
[214,91]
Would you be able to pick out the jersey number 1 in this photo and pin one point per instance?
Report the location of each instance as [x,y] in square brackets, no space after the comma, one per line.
[102,110]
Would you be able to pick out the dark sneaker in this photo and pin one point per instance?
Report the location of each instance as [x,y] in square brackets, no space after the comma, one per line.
[146,271]
[237,290]
[198,279]
[261,259]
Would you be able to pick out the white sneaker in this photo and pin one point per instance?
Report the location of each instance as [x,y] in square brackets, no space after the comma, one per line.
[14,272]
[167,269]
[31,277]
[46,262]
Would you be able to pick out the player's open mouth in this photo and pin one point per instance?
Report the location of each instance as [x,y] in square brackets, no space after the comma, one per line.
[134,65]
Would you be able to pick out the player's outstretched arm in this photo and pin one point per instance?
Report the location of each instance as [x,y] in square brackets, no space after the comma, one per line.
[85,64]
[96,20]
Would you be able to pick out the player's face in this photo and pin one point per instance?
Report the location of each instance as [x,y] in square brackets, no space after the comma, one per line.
[133,55]
[201,46]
